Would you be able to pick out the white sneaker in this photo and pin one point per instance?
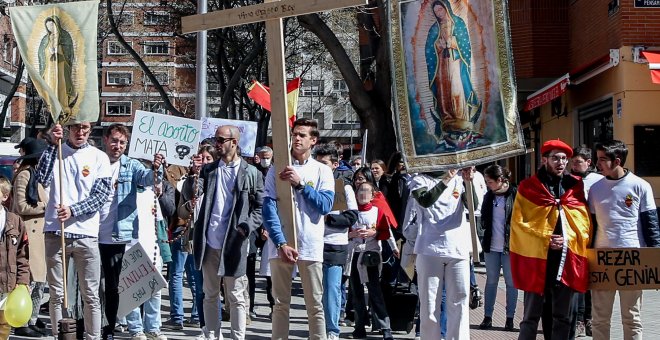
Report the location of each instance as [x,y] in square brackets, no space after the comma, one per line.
[139,336]
[332,336]
[155,336]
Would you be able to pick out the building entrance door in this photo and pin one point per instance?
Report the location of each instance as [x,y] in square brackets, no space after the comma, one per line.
[596,123]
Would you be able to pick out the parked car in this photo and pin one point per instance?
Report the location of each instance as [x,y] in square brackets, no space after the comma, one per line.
[8,156]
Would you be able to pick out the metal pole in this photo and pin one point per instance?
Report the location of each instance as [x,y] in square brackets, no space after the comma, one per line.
[200,103]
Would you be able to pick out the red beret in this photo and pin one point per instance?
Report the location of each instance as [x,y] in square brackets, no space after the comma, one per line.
[556,144]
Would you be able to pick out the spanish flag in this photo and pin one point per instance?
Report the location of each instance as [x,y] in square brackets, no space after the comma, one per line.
[533,220]
[261,95]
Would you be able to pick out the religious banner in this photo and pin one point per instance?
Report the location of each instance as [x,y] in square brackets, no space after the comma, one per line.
[139,280]
[58,44]
[455,95]
[175,138]
[624,268]
[248,131]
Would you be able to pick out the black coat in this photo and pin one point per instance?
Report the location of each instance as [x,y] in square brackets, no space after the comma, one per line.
[487,217]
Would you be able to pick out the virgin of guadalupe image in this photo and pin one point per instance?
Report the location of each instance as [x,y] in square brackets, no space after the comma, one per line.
[448,54]
[56,56]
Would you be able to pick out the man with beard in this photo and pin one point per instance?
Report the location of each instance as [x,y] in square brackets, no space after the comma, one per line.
[548,250]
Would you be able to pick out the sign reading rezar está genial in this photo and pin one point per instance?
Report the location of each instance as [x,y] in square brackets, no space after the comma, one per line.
[624,268]
[175,138]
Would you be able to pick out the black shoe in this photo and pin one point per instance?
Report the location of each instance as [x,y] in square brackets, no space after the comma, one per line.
[358,334]
[40,324]
[172,325]
[475,298]
[587,327]
[191,323]
[508,326]
[487,323]
[387,335]
[28,332]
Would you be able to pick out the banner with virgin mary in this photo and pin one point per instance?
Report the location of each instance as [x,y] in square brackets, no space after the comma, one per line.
[58,44]
[455,95]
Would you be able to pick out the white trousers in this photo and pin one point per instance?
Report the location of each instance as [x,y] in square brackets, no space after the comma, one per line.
[432,273]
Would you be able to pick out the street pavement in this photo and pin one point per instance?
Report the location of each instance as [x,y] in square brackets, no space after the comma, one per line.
[260,328]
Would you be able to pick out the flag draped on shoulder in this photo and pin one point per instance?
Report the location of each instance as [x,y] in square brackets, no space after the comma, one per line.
[58,45]
[261,95]
[533,220]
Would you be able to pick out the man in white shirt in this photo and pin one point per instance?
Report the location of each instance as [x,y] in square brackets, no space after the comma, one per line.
[230,211]
[85,184]
[625,217]
[314,187]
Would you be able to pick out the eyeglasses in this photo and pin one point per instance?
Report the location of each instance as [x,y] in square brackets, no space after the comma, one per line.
[222,140]
[556,159]
[80,127]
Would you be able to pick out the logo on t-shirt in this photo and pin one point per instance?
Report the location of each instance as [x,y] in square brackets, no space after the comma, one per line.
[85,171]
[629,200]
[455,193]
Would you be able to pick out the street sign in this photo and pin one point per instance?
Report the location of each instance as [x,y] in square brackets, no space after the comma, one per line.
[647,3]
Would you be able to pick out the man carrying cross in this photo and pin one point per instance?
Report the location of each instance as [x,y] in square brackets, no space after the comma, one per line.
[314,187]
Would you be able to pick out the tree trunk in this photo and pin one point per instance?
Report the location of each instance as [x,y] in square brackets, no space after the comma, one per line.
[12,91]
[373,107]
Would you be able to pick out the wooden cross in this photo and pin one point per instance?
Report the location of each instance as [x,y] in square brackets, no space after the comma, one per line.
[272,12]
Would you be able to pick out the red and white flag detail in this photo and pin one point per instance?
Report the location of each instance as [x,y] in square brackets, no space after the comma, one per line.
[654,65]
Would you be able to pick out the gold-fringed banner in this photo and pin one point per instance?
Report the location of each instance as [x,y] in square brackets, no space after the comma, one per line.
[58,44]
[455,93]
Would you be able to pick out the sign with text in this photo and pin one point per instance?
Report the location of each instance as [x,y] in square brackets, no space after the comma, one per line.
[139,280]
[248,131]
[624,268]
[647,3]
[175,138]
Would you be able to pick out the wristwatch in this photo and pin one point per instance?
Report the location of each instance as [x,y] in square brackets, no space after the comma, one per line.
[280,245]
[299,186]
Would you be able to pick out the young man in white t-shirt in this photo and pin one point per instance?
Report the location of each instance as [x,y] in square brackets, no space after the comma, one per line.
[85,184]
[314,187]
[625,217]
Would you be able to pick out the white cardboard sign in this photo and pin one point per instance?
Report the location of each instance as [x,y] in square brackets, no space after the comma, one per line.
[139,280]
[248,132]
[175,138]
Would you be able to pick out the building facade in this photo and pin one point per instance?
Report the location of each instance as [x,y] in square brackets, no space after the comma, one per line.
[582,77]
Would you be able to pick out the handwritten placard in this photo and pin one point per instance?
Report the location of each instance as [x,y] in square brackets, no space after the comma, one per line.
[175,138]
[139,280]
[248,131]
[624,268]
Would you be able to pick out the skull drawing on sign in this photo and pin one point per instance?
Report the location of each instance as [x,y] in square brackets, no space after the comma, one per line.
[182,151]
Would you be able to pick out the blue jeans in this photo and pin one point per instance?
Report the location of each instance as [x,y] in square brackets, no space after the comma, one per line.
[332,297]
[192,284]
[176,281]
[495,261]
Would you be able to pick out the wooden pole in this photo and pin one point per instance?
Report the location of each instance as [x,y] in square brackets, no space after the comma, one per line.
[280,124]
[63,241]
[473,223]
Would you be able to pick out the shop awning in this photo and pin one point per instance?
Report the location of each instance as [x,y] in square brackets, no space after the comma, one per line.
[548,93]
[654,65]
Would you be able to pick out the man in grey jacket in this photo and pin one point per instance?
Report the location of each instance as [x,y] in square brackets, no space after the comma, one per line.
[230,210]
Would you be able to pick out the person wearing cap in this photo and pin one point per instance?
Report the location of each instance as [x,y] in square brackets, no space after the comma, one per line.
[29,202]
[550,232]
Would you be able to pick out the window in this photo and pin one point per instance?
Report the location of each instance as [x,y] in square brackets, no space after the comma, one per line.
[312,88]
[213,87]
[156,107]
[118,108]
[115,48]
[339,86]
[162,77]
[5,50]
[156,18]
[14,55]
[125,18]
[119,78]
[156,47]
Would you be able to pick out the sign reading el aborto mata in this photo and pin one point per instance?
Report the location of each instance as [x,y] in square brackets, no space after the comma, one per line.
[624,268]
[175,138]
[272,12]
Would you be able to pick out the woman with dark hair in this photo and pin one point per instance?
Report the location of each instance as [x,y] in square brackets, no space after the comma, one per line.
[29,202]
[381,177]
[496,221]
